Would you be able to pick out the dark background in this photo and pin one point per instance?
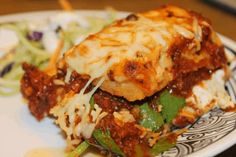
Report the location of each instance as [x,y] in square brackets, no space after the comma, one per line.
[223,22]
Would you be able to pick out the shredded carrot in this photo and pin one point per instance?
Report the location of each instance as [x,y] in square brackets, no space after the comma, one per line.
[66,5]
[51,68]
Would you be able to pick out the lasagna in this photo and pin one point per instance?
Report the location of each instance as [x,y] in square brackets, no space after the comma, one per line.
[131,88]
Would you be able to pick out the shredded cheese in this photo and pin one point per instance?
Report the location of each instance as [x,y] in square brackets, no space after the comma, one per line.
[142,39]
[68,75]
[95,112]
[100,116]
[184,32]
[58,82]
[75,106]
[95,56]
[124,115]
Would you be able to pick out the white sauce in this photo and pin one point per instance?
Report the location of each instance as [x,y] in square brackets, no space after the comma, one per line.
[211,91]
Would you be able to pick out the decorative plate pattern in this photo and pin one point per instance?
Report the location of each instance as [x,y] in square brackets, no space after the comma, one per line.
[210,128]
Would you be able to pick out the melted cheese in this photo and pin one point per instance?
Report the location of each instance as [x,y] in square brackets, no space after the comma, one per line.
[211,93]
[130,49]
[124,116]
[95,113]
[68,75]
[123,40]
[184,32]
[76,106]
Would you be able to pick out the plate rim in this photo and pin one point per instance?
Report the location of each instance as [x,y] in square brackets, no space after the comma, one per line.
[212,149]
[230,139]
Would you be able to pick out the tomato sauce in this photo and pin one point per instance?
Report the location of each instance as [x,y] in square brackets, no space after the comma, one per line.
[43,93]
[126,136]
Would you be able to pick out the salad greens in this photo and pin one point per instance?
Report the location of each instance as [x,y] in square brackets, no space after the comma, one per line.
[91,102]
[24,41]
[170,105]
[150,118]
[106,141]
[34,50]
[79,150]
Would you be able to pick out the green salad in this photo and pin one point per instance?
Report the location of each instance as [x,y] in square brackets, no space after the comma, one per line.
[34,41]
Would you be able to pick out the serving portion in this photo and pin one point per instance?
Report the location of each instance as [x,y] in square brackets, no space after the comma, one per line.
[129,89]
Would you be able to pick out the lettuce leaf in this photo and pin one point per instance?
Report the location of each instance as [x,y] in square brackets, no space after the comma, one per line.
[162,145]
[170,105]
[106,141]
[150,118]
[79,150]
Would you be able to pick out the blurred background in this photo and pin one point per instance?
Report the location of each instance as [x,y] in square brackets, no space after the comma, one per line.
[222,15]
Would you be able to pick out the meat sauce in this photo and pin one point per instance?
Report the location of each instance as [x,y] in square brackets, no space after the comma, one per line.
[43,93]
[39,90]
[187,72]
[126,136]
[110,103]
[182,86]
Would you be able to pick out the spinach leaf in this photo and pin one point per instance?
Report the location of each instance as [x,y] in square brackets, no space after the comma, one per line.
[150,118]
[162,145]
[170,105]
[79,150]
[91,102]
[105,140]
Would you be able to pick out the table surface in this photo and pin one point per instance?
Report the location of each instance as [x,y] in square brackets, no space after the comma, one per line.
[223,22]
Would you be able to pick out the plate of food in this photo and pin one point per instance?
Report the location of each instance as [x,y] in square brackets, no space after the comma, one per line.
[109,83]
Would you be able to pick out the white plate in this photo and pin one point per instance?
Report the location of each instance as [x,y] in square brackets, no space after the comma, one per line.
[20,132]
